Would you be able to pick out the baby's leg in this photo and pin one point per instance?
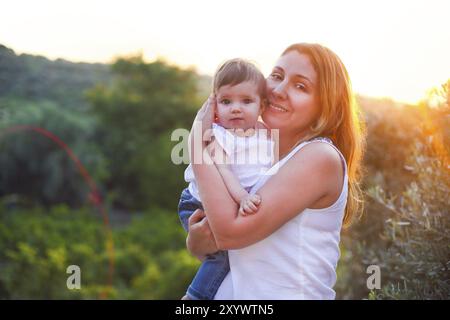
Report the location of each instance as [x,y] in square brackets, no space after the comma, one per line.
[209,276]
[186,207]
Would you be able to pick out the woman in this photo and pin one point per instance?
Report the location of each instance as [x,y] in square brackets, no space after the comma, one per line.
[289,249]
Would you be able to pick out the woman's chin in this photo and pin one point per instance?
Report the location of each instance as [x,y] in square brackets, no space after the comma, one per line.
[273,120]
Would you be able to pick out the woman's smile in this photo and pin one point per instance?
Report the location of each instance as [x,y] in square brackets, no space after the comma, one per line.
[277,108]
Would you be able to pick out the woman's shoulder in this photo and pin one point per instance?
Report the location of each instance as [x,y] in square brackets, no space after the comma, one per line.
[322,163]
[320,154]
[321,146]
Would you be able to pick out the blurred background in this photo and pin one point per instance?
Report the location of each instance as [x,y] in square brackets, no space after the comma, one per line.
[90,93]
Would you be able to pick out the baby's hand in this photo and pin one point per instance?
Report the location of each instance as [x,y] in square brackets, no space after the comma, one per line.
[250,204]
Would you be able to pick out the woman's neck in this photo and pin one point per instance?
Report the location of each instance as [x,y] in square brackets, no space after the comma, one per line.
[288,141]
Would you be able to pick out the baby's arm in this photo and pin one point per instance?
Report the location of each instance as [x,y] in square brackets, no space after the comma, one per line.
[248,203]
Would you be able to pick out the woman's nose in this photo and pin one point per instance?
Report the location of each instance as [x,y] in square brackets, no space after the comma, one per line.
[279,91]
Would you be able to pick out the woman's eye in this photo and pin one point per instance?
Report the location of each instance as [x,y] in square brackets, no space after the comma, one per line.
[225,101]
[248,101]
[275,76]
[300,86]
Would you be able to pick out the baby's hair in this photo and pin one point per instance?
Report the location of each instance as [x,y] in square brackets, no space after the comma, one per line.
[236,71]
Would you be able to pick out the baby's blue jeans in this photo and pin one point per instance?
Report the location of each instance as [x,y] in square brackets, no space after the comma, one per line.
[214,268]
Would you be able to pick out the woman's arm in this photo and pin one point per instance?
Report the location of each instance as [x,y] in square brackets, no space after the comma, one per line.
[314,173]
[200,240]
[313,176]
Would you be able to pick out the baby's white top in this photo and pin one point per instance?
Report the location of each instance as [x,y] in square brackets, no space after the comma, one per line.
[298,261]
[249,157]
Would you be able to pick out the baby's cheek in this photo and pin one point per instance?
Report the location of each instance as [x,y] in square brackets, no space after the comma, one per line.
[221,118]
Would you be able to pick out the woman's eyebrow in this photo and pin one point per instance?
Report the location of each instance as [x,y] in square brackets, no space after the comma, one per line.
[278,68]
[303,77]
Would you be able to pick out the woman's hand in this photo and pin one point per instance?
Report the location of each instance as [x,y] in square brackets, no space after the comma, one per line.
[201,132]
[205,116]
[200,240]
[207,112]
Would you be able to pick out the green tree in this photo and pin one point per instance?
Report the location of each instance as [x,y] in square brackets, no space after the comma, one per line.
[136,114]
[37,168]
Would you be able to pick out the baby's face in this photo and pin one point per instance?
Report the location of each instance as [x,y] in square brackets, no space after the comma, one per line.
[238,106]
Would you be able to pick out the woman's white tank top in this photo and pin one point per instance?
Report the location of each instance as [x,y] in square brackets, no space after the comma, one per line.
[298,261]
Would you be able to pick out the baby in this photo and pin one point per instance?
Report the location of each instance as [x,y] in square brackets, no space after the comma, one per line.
[242,153]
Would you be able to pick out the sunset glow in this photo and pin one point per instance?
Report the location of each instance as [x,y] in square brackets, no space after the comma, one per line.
[397,49]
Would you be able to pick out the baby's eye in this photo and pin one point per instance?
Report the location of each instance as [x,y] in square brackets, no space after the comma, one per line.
[225,101]
[248,101]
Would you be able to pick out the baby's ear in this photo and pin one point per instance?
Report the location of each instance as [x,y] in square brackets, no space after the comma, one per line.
[216,117]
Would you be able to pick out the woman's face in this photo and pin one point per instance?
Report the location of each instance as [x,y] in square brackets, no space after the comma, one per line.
[292,95]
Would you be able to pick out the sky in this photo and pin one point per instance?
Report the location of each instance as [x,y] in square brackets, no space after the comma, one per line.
[397,49]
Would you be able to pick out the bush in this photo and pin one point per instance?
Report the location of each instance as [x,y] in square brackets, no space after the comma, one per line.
[36,247]
[405,228]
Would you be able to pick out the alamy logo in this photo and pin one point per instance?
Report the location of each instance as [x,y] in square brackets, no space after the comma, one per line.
[262,149]
[374,280]
[74,281]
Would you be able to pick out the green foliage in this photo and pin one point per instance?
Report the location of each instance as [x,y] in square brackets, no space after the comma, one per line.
[122,137]
[137,113]
[36,247]
[35,78]
[35,166]
[417,233]
[154,263]
[121,133]
[405,229]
